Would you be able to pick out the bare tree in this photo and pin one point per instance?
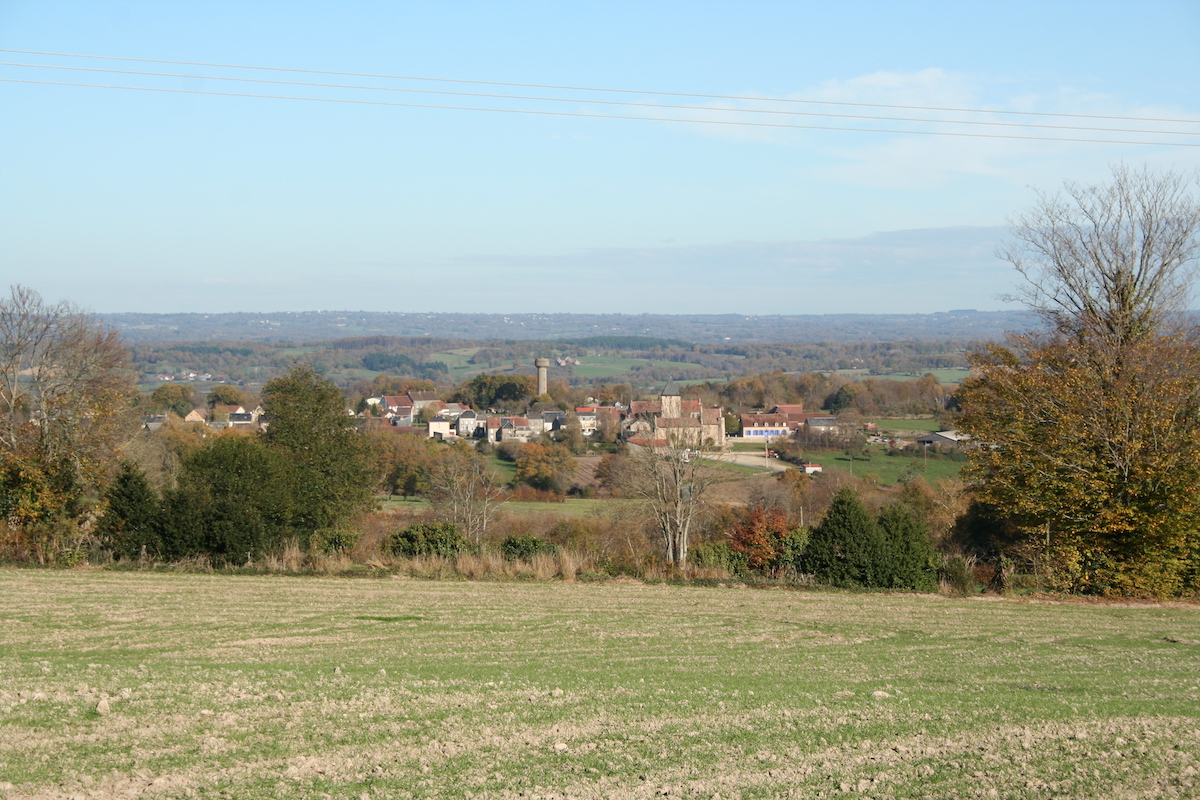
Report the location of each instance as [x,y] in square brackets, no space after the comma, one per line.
[671,477]
[1112,262]
[66,392]
[465,489]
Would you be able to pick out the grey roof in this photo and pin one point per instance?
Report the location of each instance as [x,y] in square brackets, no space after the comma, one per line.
[671,389]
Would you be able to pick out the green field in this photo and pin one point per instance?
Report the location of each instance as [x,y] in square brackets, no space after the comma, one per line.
[889,469]
[613,366]
[943,375]
[922,425]
[281,687]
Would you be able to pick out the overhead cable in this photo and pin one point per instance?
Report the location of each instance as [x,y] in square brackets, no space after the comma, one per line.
[542,112]
[600,89]
[625,103]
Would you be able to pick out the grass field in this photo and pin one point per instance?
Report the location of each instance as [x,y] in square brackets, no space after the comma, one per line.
[889,469]
[223,686]
[614,366]
[921,425]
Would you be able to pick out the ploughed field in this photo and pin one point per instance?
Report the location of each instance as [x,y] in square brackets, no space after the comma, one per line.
[231,686]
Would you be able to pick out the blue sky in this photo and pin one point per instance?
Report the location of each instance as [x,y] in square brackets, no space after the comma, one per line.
[151,201]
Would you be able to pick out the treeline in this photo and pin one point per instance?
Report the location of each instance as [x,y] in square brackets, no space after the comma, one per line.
[257,362]
[866,398]
[234,496]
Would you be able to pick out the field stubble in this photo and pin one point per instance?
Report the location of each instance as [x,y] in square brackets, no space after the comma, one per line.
[159,685]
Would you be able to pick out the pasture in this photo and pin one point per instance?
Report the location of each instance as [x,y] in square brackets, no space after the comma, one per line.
[156,685]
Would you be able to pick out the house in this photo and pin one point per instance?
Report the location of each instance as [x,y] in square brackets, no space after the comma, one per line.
[515,429]
[441,428]
[943,439]
[468,425]
[588,419]
[453,410]
[196,415]
[537,423]
[420,400]
[767,426]
[674,418]
[822,423]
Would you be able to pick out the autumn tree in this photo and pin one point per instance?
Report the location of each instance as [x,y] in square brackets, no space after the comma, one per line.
[224,395]
[406,461]
[1089,431]
[66,402]
[547,467]
[767,540]
[178,398]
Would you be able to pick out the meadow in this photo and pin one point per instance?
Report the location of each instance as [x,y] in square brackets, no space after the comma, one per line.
[887,469]
[152,684]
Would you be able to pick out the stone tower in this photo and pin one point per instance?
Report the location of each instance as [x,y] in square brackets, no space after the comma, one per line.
[542,365]
[672,403]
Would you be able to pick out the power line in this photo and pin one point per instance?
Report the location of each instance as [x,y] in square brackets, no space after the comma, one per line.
[599,89]
[626,103]
[596,116]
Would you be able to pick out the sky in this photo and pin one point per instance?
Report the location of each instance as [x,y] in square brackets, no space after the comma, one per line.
[180,201]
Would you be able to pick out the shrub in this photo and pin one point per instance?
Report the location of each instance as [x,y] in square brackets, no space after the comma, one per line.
[911,562]
[429,539]
[958,575]
[507,451]
[132,515]
[524,546]
[719,555]
[767,541]
[847,548]
[334,540]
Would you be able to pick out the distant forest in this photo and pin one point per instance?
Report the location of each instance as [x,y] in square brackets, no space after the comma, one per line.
[639,362]
[311,326]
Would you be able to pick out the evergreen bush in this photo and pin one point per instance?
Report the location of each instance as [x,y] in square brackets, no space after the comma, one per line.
[911,562]
[847,548]
[132,516]
[429,539]
[524,546]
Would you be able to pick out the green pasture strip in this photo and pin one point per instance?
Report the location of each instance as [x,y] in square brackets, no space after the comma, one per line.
[925,425]
[613,366]
[506,470]
[889,469]
[943,375]
[283,687]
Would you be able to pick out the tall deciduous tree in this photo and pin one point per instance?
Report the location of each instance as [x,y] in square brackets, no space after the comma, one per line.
[66,402]
[334,474]
[548,467]
[671,478]
[1090,432]
[462,487]
[178,398]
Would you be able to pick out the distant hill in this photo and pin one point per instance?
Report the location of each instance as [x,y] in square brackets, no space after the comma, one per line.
[321,326]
